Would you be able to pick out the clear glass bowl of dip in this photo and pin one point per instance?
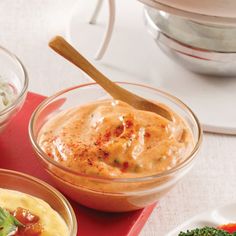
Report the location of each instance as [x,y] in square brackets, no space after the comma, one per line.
[13,180]
[202,47]
[117,194]
[13,76]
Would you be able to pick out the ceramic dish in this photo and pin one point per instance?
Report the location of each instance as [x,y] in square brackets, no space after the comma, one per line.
[213,218]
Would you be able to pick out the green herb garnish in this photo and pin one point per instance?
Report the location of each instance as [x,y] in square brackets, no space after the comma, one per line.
[8,223]
[116,161]
[206,231]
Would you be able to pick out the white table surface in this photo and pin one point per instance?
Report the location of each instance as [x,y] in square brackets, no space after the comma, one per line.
[27,25]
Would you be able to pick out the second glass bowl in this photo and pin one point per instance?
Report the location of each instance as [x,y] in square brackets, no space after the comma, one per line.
[14,74]
[20,182]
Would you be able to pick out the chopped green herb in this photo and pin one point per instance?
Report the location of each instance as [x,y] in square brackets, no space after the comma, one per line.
[206,231]
[8,223]
[116,161]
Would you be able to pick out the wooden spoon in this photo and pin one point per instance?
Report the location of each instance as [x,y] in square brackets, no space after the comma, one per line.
[62,47]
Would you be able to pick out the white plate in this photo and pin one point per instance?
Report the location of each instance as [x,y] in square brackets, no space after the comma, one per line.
[212,218]
[134,56]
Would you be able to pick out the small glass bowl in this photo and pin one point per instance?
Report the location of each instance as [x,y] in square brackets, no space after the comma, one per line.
[117,194]
[202,47]
[14,73]
[17,181]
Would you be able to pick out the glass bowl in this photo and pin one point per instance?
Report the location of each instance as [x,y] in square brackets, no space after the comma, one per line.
[117,194]
[17,181]
[13,73]
[202,47]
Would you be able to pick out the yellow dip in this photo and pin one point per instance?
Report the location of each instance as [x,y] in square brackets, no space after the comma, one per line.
[52,223]
[109,138]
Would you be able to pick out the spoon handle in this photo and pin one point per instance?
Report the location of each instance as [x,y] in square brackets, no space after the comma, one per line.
[62,47]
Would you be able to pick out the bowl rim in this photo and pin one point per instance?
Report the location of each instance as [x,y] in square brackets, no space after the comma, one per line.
[153,28]
[176,168]
[189,14]
[25,85]
[59,195]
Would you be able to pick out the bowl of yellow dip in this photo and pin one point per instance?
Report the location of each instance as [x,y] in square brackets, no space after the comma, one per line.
[107,155]
[13,86]
[29,206]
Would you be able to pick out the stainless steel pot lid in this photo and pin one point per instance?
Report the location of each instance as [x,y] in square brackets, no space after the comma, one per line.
[212,11]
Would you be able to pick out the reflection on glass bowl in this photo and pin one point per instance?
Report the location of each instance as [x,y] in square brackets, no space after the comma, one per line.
[204,48]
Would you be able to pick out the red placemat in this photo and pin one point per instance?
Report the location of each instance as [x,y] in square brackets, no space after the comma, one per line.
[17,154]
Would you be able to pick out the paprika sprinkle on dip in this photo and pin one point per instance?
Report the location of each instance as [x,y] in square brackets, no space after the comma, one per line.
[109,138]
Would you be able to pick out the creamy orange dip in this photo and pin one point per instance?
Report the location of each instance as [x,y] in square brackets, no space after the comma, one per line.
[110,138]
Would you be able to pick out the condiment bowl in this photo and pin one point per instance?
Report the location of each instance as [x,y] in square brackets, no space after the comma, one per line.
[13,73]
[18,181]
[111,194]
[202,47]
